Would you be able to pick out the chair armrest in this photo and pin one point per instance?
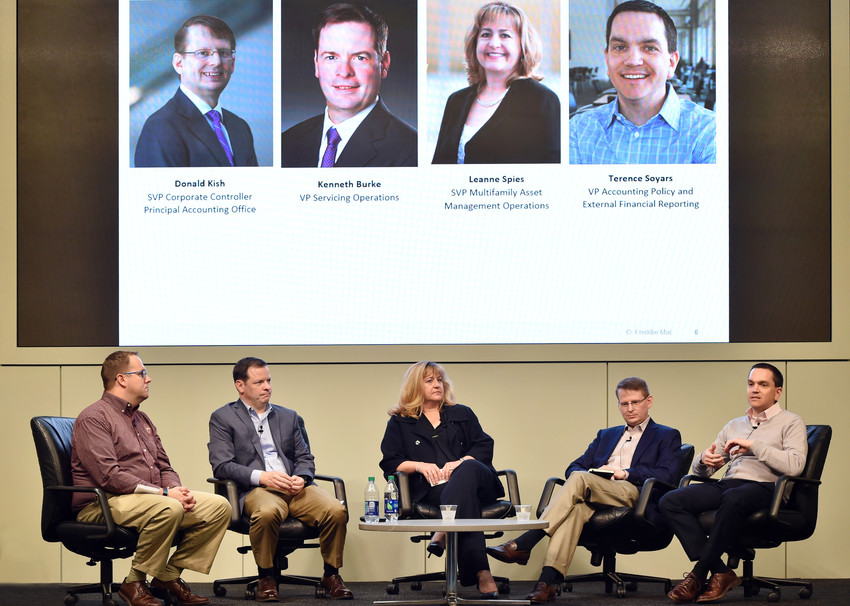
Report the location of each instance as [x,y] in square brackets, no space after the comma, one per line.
[405,502]
[686,480]
[102,501]
[782,484]
[546,495]
[228,490]
[513,485]
[650,486]
[339,488]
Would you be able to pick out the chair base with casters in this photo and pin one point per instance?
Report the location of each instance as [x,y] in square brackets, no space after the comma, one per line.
[281,563]
[621,530]
[792,516]
[408,509]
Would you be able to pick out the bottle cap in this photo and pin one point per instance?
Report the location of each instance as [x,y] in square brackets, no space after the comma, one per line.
[371,478]
[390,478]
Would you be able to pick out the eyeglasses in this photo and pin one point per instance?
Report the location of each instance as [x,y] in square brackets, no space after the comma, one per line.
[633,403]
[225,54]
[142,373]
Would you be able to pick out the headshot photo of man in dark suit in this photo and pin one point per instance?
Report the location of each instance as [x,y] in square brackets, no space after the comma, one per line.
[356,129]
[192,129]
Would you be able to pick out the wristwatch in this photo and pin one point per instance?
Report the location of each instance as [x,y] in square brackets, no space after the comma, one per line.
[165,492]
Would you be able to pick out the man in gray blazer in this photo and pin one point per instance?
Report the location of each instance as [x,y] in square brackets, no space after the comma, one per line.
[260,446]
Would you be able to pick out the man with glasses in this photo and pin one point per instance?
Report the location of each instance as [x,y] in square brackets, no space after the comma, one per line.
[615,464]
[192,129]
[115,447]
[765,443]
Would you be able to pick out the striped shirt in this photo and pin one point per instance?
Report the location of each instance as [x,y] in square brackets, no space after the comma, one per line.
[681,133]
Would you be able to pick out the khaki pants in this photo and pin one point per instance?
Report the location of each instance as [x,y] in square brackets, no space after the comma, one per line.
[313,506]
[571,509]
[158,518]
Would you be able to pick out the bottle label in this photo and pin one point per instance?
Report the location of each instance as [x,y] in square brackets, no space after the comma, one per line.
[391,506]
[372,508]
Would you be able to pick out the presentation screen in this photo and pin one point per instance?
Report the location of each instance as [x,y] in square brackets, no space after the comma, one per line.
[520,247]
[430,172]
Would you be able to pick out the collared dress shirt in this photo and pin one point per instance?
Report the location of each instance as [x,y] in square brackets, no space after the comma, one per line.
[681,133]
[117,448]
[273,461]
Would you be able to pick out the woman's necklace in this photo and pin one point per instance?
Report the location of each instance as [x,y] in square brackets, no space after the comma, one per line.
[496,102]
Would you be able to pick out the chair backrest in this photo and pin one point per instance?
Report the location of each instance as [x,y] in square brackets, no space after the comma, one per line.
[687,454]
[52,436]
[804,497]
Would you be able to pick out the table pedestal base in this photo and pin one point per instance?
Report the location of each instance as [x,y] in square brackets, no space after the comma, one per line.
[451,598]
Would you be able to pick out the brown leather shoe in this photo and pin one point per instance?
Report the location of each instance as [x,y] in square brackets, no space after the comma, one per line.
[335,588]
[137,594]
[509,554]
[267,589]
[542,593]
[180,591]
[718,585]
[687,590]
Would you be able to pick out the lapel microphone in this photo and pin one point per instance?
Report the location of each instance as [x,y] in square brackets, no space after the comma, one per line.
[260,430]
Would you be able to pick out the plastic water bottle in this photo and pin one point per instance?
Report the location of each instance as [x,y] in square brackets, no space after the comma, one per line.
[391,500]
[372,502]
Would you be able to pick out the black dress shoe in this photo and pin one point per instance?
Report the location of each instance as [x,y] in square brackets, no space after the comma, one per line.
[435,548]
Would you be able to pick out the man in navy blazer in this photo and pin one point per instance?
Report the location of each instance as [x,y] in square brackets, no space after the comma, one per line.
[260,446]
[351,59]
[634,452]
[192,129]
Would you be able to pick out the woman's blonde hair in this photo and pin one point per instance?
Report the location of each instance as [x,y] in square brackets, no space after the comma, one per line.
[410,398]
[532,49]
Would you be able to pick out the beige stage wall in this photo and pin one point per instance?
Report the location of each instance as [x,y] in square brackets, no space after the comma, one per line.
[540,415]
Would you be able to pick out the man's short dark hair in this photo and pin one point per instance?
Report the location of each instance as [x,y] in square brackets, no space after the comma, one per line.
[343,12]
[633,384]
[644,6]
[114,364]
[777,376]
[217,27]
[240,369]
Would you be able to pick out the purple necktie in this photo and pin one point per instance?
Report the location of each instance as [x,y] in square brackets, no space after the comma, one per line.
[216,121]
[330,153]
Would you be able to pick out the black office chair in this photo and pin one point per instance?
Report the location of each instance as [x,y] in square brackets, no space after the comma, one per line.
[787,519]
[293,535]
[102,542]
[623,530]
[408,509]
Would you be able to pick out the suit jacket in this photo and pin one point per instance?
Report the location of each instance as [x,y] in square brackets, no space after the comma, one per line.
[657,455]
[525,128]
[406,439]
[178,134]
[235,449]
[381,140]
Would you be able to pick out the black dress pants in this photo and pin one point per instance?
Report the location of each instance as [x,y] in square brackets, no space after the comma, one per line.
[734,501]
[471,486]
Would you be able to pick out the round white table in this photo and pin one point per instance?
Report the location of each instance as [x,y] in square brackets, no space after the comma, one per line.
[451,528]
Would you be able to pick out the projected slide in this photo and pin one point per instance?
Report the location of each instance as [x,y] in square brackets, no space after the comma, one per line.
[576,216]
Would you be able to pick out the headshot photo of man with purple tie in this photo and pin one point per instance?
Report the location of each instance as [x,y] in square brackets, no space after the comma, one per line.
[195,127]
[351,61]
